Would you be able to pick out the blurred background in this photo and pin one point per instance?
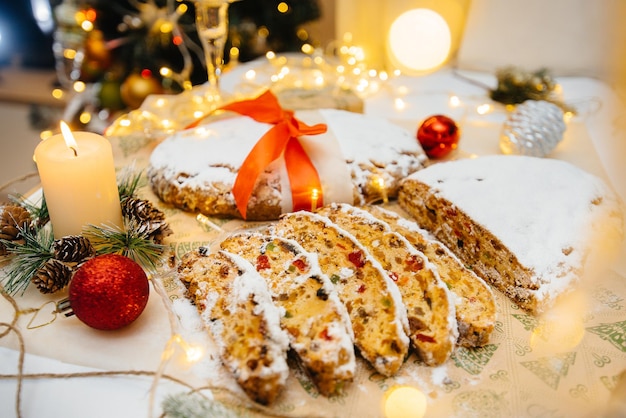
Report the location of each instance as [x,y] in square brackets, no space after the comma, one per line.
[87,61]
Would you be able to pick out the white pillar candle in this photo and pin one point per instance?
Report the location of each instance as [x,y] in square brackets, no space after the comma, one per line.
[78,182]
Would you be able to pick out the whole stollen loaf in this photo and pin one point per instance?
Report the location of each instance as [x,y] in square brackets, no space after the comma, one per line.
[195,169]
[532,227]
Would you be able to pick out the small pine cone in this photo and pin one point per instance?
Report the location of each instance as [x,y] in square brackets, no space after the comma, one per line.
[141,210]
[12,219]
[72,249]
[160,230]
[53,276]
[150,219]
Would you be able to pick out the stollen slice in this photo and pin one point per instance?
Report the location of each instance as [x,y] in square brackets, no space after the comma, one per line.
[235,304]
[476,310]
[373,301]
[430,306]
[313,315]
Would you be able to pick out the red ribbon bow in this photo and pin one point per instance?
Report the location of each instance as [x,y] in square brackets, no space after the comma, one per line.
[282,137]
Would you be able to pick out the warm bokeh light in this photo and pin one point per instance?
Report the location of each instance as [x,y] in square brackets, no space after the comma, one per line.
[562,327]
[57,93]
[454,101]
[484,108]
[283,7]
[166,27]
[85,118]
[307,49]
[79,86]
[404,402]
[419,40]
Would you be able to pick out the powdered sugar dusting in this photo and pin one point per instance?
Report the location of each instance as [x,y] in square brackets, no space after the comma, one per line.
[545,211]
[209,153]
[210,367]
[346,155]
[389,284]
[251,284]
[376,140]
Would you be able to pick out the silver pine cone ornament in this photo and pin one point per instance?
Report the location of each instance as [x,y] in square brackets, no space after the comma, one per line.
[534,128]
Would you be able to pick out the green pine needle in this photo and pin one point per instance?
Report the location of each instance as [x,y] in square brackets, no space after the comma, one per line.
[128,182]
[26,258]
[132,241]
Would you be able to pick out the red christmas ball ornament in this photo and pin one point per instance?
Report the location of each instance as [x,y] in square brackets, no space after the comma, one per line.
[438,135]
[109,292]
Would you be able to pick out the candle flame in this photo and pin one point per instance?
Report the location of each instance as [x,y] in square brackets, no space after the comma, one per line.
[69,138]
[379,183]
[314,196]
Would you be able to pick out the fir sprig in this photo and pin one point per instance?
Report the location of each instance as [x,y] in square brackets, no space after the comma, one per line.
[27,258]
[516,85]
[131,241]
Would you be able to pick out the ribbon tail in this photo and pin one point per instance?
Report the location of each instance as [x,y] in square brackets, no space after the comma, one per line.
[304,129]
[306,187]
[266,150]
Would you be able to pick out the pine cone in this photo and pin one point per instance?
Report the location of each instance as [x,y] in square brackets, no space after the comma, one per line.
[72,249]
[53,276]
[12,219]
[151,221]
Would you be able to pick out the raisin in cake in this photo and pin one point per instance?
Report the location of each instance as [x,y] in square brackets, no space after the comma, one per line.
[195,169]
[430,309]
[475,302]
[527,225]
[316,320]
[373,301]
[235,304]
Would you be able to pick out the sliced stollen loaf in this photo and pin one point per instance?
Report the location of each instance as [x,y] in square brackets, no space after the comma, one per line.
[475,302]
[530,226]
[373,301]
[313,315]
[236,307]
[430,307]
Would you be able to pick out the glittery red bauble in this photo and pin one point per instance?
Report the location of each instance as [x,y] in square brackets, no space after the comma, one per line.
[109,292]
[438,135]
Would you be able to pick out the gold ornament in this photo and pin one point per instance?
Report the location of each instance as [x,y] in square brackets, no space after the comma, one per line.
[137,87]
